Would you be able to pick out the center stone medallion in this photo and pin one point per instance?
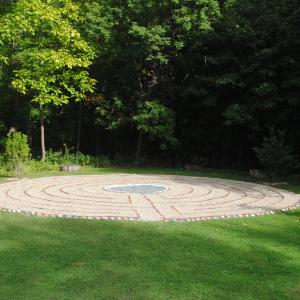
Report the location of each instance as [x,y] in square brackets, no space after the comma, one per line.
[137,188]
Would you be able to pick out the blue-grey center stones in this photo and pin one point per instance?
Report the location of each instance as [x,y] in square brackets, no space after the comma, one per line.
[137,188]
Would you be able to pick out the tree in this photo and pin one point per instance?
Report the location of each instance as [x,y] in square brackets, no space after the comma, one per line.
[146,40]
[276,156]
[228,70]
[157,121]
[241,77]
[46,53]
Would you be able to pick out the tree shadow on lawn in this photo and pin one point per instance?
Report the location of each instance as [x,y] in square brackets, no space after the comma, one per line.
[295,213]
[281,229]
[79,259]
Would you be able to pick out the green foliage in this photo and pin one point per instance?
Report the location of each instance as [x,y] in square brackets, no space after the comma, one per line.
[35,166]
[110,113]
[59,158]
[17,152]
[45,52]
[237,114]
[99,20]
[229,70]
[154,39]
[4,172]
[101,161]
[276,156]
[158,121]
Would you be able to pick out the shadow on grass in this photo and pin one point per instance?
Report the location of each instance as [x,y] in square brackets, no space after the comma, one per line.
[78,259]
[295,213]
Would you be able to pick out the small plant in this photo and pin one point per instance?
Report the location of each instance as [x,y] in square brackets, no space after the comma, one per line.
[275,156]
[17,152]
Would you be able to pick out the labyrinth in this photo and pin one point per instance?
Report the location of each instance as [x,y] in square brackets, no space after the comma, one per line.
[143,197]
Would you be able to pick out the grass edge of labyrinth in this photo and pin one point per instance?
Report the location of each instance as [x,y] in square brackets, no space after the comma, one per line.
[291,184]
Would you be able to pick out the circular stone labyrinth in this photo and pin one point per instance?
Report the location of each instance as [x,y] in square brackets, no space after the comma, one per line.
[143,197]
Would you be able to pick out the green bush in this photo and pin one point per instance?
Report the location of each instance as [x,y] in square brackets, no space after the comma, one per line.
[101,161]
[83,159]
[67,158]
[17,158]
[4,172]
[17,152]
[41,166]
[275,156]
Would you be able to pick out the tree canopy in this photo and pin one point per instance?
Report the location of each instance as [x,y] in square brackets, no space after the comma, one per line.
[45,54]
[214,76]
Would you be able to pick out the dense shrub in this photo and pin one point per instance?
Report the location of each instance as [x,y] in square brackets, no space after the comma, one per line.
[101,161]
[3,167]
[66,157]
[17,152]
[16,158]
[41,166]
[276,156]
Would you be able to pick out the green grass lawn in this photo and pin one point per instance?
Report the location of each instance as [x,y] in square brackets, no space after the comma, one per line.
[248,258]
[226,174]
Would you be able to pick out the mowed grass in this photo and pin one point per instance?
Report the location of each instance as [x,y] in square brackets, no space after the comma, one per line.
[48,258]
[247,258]
[225,174]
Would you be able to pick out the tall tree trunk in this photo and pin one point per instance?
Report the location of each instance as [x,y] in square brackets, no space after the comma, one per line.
[42,123]
[139,147]
[97,140]
[221,3]
[16,111]
[79,128]
[29,126]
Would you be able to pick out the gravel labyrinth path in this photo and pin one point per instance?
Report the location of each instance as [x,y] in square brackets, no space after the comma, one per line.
[182,199]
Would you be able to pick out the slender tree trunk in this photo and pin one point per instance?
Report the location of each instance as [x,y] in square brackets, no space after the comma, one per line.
[221,3]
[29,126]
[42,123]
[139,147]
[97,141]
[16,111]
[79,128]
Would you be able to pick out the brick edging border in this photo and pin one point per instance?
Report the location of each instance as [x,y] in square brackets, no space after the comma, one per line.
[177,220]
